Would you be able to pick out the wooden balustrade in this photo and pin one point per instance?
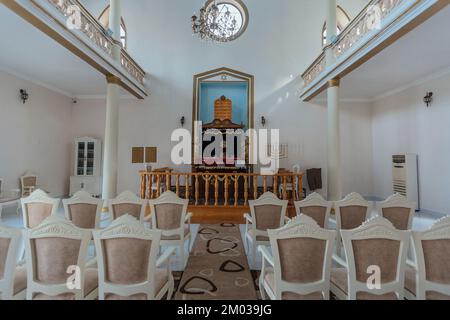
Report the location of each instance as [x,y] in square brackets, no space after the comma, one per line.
[221,189]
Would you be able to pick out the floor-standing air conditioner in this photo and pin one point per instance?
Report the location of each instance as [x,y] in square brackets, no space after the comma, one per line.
[404,176]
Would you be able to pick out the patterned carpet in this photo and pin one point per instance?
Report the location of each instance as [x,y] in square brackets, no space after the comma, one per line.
[217,268]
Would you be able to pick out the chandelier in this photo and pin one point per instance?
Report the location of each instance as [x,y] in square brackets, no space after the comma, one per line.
[219,21]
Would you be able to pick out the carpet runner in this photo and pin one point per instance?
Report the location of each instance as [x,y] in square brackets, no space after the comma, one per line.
[217,268]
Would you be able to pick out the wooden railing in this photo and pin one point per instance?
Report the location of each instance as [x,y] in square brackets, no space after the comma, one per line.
[92,28]
[353,33]
[220,189]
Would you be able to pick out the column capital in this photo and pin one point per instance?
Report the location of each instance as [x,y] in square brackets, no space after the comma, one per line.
[112,79]
[334,83]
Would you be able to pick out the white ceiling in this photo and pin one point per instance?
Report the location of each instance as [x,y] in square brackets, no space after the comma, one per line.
[32,55]
[419,54]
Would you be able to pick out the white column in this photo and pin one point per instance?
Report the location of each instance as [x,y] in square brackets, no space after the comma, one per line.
[110,152]
[334,143]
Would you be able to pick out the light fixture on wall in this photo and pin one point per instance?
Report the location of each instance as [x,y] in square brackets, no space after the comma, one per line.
[263,121]
[428,98]
[24,95]
[182,121]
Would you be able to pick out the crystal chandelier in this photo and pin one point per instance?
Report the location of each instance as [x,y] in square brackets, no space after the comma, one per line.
[216,22]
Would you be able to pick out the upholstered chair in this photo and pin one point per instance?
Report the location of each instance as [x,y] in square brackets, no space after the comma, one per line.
[267,212]
[129,267]
[83,210]
[56,257]
[127,203]
[350,213]
[298,268]
[37,207]
[316,207]
[375,262]
[169,215]
[429,279]
[398,210]
[28,183]
[13,279]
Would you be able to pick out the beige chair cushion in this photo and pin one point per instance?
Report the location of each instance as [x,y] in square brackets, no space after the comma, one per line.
[258,238]
[268,217]
[352,217]
[399,217]
[301,259]
[52,258]
[410,285]
[317,213]
[4,248]
[126,260]
[20,279]
[83,215]
[437,260]
[127,208]
[376,252]
[176,237]
[90,284]
[270,280]
[168,216]
[339,279]
[38,212]
[161,279]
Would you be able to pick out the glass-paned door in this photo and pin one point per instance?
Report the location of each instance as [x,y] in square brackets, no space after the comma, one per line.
[81,158]
[90,159]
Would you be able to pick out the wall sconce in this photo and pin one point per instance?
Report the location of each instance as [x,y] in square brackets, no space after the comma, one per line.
[24,95]
[428,98]
[182,121]
[263,121]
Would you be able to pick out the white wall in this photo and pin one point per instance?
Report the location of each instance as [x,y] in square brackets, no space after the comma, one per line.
[34,136]
[403,124]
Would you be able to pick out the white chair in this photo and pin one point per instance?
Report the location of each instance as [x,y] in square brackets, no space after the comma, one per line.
[56,254]
[375,262]
[350,212]
[398,210]
[28,183]
[299,266]
[127,203]
[37,207]
[13,279]
[83,210]
[268,212]
[430,277]
[169,215]
[292,186]
[316,207]
[128,264]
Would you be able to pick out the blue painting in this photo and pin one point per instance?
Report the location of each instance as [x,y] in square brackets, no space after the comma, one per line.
[237,92]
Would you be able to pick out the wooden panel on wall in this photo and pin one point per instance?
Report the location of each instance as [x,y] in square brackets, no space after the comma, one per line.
[137,155]
[151,155]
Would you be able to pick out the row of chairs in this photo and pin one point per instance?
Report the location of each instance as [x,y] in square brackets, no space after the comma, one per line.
[127,266]
[171,216]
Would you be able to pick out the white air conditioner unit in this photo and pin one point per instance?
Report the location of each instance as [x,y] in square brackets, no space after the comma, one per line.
[404,176]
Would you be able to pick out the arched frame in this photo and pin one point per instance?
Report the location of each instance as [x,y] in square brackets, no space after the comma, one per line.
[343,19]
[103,18]
[209,76]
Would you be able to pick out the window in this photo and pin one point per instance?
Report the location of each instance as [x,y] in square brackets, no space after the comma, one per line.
[228,21]
[104,21]
[342,21]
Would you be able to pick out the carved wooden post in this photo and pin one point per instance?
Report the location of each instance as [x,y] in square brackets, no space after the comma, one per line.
[158,185]
[236,190]
[143,177]
[206,190]
[168,179]
[226,191]
[275,185]
[246,190]
[216,191]
[197,190]
[150,185]
[284,187]
[255,187]
[294,189]
[187,187]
